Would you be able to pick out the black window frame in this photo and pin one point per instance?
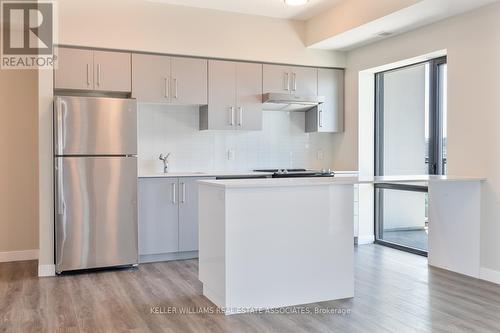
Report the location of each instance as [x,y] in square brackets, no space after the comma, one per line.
[436,162]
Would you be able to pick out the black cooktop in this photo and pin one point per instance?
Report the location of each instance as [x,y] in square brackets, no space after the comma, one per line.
[292,173]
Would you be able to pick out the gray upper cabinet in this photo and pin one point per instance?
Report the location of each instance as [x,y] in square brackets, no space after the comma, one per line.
[304,81]
[151,78]
[158,215]
[164,79]
[234,96]
[81,69]
[249,96]
[189,81]
[74,69]
[290,79]
[276,79]
[220,112]
[329,116]
[112,71]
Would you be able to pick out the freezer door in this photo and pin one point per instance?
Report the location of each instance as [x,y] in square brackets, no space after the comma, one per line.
[96,212]
[95,126]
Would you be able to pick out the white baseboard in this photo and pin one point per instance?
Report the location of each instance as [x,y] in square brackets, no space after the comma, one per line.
[489,275]
[46,270]
[366,239]
[18,255]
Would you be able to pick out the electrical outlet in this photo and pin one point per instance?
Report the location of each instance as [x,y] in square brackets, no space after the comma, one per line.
[230,154]
[320,155]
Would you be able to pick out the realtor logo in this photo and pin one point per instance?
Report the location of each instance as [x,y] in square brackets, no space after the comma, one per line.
[27,34]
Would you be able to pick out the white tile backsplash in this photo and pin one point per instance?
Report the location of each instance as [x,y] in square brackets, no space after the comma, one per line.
[281,143]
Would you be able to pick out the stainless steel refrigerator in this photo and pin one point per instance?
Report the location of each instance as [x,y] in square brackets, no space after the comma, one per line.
[95,159]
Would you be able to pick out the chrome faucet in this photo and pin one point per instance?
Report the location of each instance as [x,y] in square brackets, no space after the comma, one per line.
[164,158]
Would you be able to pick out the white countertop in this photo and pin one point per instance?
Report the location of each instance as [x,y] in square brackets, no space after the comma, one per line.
[281,182]
[204,174]
[324,181]
[221,173]
[420,178]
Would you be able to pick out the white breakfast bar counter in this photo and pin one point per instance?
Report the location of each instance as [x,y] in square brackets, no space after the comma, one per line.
[269,243]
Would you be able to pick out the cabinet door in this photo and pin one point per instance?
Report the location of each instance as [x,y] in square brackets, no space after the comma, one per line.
[74,69]
[331,85]
[221,95]
[276,79]
[112,71]
[189,81]
[151,78]
[249,96]
[188,214]
[304,81]
[158,215]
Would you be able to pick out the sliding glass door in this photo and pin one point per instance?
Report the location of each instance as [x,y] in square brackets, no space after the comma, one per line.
[410,139]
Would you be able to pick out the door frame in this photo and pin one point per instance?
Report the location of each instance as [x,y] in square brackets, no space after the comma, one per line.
[435,163]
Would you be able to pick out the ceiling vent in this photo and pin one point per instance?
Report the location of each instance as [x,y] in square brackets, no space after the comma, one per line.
[384,34]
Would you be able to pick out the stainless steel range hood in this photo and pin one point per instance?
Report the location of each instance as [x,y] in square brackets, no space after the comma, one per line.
[287,102]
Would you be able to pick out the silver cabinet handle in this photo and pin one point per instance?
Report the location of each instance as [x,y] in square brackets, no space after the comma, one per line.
[183,189]
[174,193]
[175,88]
[98,74]
[167,87]
[320,116]
[88,75]
[231,116]
[240,116]
[294,78]
[287,81]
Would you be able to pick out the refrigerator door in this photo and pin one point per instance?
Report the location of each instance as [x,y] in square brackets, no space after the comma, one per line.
[95,126]
[96,212]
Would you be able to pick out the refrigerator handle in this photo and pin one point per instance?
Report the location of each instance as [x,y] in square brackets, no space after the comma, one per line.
[59,189]
[60,134]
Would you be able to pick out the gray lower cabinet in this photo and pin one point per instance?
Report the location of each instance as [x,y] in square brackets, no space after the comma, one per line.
[168,218]
[158,215]
[234,96]
[188,214]
[329,116]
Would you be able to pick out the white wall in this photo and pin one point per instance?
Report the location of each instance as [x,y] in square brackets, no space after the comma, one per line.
[281,143]
[158,27]
[18,163]
[472,42]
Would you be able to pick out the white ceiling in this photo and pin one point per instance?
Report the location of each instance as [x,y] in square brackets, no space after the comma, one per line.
[270,8]
[422,13]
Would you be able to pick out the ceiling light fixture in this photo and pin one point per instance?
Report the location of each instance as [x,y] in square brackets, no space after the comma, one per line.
[296,2]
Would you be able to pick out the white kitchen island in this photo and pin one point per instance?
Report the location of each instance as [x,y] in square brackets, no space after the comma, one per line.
[268,243]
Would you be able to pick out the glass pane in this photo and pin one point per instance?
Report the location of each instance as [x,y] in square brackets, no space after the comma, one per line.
[403,218]
[405,124]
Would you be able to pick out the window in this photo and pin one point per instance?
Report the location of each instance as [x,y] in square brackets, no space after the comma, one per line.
[410,139]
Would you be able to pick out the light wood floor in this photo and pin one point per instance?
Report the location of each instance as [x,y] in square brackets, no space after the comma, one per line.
[395,292]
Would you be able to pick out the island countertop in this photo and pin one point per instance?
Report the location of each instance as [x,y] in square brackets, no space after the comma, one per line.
[325,181]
